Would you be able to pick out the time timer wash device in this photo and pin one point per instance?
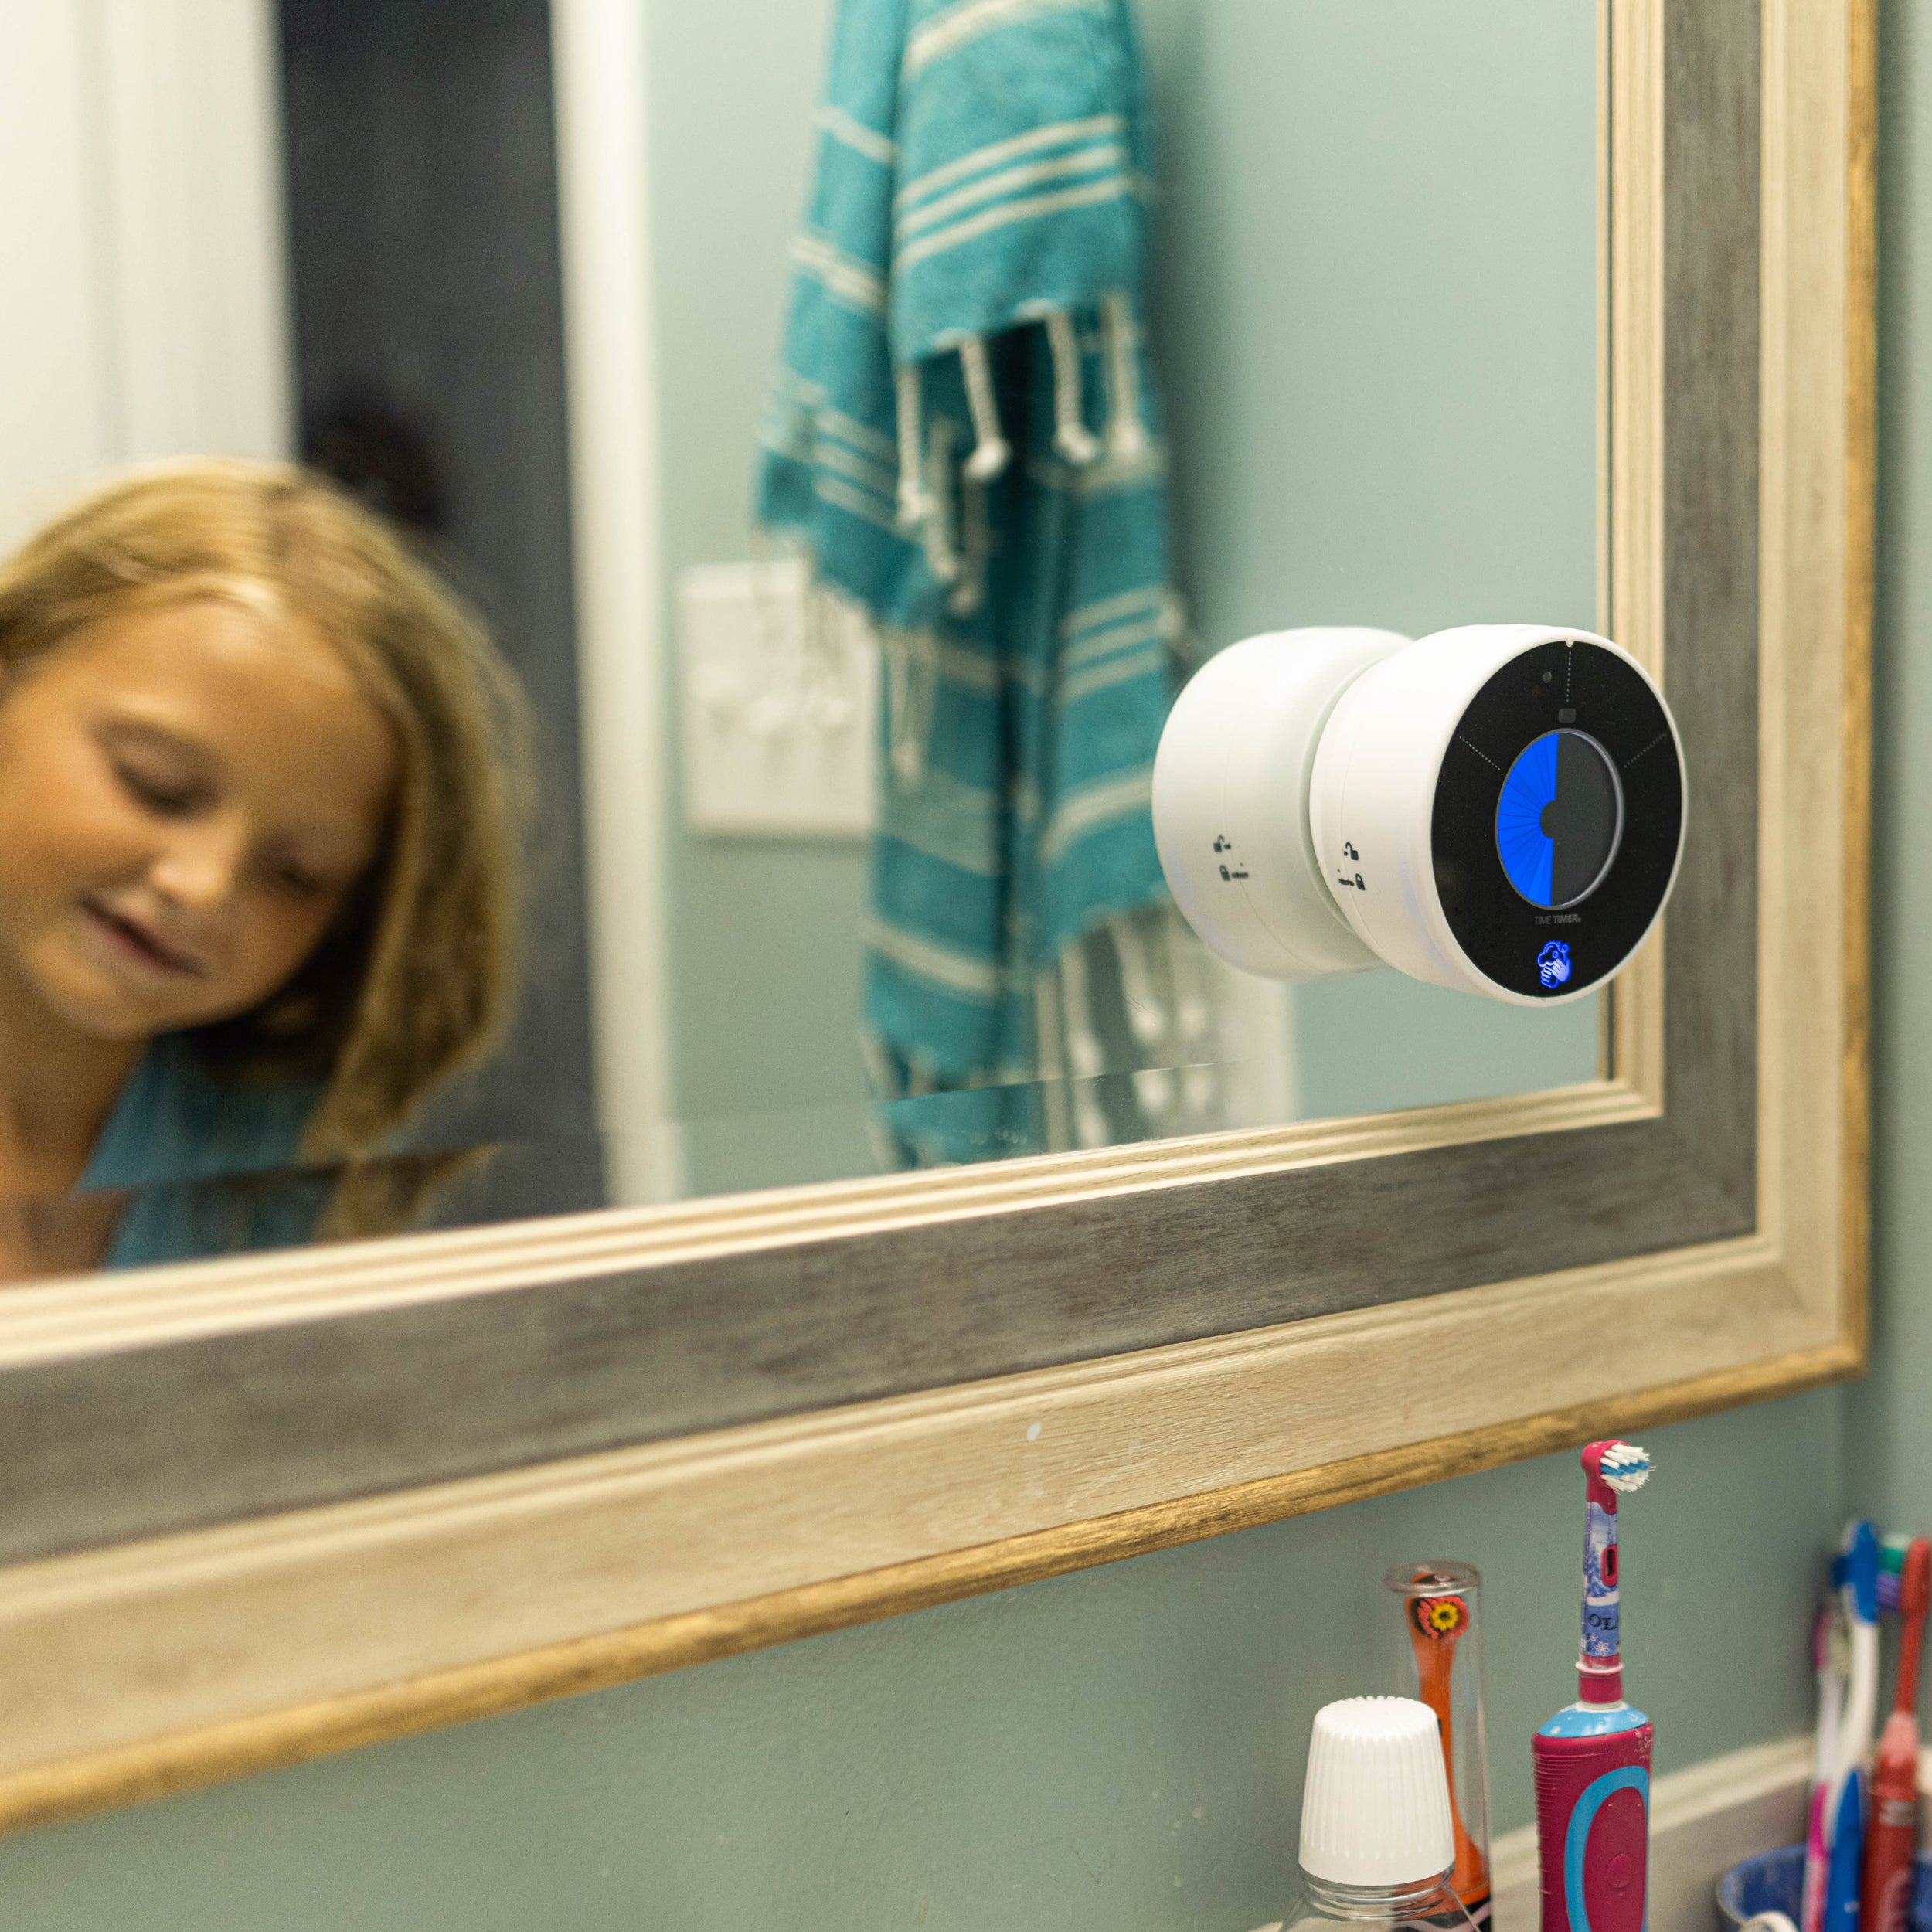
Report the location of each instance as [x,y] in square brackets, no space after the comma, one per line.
[1499,807]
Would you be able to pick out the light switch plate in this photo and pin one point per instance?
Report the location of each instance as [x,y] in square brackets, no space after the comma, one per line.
[778,704]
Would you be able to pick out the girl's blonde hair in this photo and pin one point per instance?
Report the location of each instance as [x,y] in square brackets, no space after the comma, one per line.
[416,976]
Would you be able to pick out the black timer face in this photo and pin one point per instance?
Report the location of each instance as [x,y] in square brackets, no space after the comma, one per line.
[1558,813]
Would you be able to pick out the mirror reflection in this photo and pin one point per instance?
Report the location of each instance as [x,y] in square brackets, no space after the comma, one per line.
[358,870]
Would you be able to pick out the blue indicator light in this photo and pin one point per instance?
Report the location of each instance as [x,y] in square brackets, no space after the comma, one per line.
[1553,964]
[1559,818]
[1526,848]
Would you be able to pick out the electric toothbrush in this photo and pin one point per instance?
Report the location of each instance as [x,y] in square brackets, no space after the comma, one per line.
[1892,1831]
[1592,1758]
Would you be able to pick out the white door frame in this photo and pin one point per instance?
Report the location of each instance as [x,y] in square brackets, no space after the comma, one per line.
[599,59]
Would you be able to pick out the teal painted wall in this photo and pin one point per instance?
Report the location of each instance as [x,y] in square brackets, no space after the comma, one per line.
[1119,1751]
[1375,308]
[764,950]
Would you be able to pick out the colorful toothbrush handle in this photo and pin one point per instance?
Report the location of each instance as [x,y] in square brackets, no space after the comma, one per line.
[1436,1625]
[1817,1863]
[1891,1844]
[1845,1865]
[1592,1823]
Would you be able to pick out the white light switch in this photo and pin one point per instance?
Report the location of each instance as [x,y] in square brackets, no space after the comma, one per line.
[779,700]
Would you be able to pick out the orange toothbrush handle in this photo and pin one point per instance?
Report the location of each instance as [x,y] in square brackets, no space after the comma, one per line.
[1435,1649]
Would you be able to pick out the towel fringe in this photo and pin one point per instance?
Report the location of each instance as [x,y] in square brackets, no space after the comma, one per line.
[942,554]
[1127,437]
[915,502]
[975,539]
[1074,442]
[911,671]
[991,452]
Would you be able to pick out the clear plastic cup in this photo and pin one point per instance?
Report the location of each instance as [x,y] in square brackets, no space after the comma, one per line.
[1442,1621]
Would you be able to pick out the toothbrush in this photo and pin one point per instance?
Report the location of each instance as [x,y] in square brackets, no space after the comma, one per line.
[1892,1834]
[1593,1757]
[1436,1626]
[1832,1658]
[1855,1575]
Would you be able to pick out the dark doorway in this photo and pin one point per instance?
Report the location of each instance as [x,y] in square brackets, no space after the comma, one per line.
[429,349]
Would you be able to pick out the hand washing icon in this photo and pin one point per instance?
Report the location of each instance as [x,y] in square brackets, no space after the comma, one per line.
[1553,964]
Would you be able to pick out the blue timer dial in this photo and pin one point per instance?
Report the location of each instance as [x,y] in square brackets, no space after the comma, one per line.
[1559,819]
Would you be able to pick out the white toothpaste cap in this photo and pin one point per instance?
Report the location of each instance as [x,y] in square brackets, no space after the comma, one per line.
[1375,1807]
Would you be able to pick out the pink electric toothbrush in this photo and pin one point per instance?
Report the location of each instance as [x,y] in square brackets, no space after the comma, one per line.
[1593,1757]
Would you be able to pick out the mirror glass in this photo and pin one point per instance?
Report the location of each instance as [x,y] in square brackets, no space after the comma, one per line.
[444,847]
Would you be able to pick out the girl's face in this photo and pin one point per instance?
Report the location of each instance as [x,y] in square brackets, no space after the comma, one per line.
[186,796]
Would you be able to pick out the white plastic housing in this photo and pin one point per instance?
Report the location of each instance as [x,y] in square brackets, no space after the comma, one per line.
[1373,789]
[1294,795]
[1230,800]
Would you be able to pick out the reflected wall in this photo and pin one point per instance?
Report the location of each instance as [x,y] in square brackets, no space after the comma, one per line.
[1376,313]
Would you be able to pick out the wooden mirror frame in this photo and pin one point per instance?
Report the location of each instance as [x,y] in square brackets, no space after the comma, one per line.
[264,1509]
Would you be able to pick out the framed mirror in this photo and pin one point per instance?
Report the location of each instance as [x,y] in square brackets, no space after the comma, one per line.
[731,1297]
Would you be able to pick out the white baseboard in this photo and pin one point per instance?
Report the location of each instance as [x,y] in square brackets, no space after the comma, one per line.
[1702,1820]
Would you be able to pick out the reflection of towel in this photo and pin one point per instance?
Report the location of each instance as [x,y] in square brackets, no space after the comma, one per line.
[963,433]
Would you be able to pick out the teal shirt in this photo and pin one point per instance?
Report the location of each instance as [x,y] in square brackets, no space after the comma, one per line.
[206,1162]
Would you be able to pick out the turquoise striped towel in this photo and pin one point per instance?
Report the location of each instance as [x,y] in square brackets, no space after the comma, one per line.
[962,432]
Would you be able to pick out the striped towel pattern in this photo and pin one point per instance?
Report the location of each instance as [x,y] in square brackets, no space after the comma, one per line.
[962,432]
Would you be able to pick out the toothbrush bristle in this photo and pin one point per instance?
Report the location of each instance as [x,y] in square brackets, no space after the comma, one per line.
[1625,1468]
[1891,1569]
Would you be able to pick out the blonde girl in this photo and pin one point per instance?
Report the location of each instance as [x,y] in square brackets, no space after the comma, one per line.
[261,782]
